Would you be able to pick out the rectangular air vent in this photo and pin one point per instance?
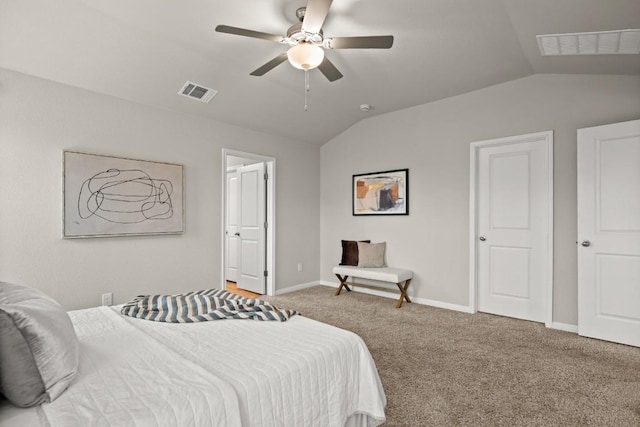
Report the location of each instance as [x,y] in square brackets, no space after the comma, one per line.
[197,92]
[622,42]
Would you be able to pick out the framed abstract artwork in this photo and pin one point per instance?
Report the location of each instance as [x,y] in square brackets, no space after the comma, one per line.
[381,193]
[113,196]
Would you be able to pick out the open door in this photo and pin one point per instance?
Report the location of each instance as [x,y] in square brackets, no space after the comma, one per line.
[251,230]
[609,232]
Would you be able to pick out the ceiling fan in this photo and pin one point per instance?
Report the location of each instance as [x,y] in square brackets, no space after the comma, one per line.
[306,41]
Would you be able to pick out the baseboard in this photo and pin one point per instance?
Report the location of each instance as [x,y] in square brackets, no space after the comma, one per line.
[297,287]
[424,301]
[441,304]
[417,300]
[564,327]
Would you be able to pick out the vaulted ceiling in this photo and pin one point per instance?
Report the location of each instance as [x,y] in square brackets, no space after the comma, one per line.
[145,50]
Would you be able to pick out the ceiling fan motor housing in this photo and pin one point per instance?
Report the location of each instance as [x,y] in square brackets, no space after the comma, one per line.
[295,35]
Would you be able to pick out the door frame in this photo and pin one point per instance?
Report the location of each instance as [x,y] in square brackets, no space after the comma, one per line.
[473,214]
[270,262]
[225,236]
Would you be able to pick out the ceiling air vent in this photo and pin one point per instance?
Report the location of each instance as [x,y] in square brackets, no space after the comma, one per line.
[197,92]
[626,42]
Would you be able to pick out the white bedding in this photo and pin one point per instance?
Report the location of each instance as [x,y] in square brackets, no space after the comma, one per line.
[222,373]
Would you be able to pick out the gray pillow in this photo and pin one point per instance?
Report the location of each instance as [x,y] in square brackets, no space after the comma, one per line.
[371,254]
[39,349]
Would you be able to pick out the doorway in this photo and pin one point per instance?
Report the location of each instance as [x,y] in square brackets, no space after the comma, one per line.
[248,221]
[511,227]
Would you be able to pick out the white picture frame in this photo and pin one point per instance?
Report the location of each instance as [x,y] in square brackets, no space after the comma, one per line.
[107,196]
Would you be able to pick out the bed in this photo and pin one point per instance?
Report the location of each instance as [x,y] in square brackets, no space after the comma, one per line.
[135,372]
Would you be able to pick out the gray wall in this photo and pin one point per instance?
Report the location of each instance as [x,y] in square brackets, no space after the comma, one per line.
[432,140]
[39,119]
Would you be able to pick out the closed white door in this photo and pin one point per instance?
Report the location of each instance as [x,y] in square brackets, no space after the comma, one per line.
[251,228]
[232,230]
[514,214]
[609,232]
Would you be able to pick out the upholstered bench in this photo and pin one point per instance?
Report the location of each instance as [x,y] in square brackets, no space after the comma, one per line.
[401,277]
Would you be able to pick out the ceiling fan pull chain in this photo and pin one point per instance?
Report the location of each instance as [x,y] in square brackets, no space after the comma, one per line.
[306,89]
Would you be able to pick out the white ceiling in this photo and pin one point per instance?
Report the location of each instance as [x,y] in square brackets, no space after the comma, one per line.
[144,51]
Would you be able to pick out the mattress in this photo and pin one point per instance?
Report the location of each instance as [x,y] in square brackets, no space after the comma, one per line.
[219,373]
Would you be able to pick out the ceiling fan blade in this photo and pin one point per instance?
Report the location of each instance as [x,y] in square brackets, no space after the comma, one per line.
[329,70]
[249,33]
[270,65]
[315,15]
[366,42]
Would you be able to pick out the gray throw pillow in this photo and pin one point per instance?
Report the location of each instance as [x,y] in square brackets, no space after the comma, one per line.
[39,349]
[371,254]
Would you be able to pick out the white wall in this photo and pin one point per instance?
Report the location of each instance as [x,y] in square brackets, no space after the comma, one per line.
[39,119]
[432,140]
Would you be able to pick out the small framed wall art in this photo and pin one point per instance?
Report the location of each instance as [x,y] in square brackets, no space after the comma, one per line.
[381,193]
[113,196]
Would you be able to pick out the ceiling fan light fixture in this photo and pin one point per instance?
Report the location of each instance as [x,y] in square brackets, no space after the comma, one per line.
[305,56]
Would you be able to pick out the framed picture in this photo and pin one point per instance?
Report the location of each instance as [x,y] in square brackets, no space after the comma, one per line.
[381,193]
[113,196]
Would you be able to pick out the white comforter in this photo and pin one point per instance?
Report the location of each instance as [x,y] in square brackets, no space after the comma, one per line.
[222,373]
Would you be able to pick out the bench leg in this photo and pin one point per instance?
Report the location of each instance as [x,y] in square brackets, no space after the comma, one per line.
[343,281]
[403,292]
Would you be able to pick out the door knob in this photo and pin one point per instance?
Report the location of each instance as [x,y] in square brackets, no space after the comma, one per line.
[482,238]
[237,234]
[586,243]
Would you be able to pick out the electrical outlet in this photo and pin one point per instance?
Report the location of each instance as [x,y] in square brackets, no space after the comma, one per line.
[300,266]
[107,299]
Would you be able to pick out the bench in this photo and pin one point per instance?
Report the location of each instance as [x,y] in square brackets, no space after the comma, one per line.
[402,279]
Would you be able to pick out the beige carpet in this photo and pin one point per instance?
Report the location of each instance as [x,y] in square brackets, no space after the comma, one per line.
[443,368]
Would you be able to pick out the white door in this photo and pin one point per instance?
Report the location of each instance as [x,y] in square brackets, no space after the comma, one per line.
[251,228]
[232,228]
[513,231]
[609,232]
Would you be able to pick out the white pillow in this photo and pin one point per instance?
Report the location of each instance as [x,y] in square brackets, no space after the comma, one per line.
[39,349]
[371,254]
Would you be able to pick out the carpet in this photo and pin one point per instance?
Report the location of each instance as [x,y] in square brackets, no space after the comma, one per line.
[446,368]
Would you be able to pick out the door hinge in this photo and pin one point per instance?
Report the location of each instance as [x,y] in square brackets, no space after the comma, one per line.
[266,224]
[266,273]
[266,176]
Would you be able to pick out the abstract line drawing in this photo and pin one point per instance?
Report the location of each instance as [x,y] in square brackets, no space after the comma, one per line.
[125,197]
[113,196]
[381,193]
